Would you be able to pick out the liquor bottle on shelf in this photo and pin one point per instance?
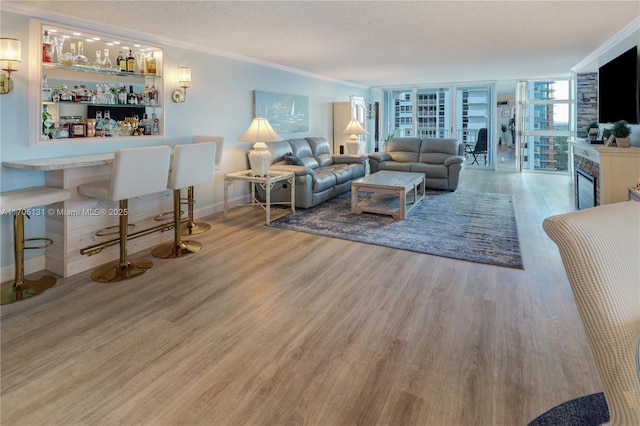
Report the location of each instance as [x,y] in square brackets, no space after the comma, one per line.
[47,93]
[80,59]
[122,95]
[47,122]
[152,64]
[155,126]
[99,123]
[146,124]
[132,98]
[122,62]
[107,123]
[131,62]
[106,62]
[47,49]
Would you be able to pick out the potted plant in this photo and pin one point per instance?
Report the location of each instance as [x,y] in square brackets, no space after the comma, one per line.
[621,131]
[503,128]
[592,131]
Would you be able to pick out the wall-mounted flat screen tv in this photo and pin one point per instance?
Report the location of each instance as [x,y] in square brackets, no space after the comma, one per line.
[618,85]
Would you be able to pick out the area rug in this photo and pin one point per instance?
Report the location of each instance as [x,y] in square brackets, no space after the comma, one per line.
[590,410]
[476,227]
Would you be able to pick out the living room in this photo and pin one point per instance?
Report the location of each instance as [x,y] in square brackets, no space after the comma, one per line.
[510,344]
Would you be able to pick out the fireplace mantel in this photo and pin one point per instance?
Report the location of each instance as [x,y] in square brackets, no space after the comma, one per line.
[619,168]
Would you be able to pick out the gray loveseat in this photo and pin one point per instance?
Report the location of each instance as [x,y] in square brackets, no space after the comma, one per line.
[320,175]
[441,160]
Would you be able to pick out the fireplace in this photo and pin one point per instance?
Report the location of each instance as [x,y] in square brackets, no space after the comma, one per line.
[585,190]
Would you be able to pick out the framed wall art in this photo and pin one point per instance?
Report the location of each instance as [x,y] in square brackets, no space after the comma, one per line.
[286,113]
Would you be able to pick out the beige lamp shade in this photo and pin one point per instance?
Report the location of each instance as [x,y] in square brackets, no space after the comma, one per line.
[184,76]
[259,132]
[10,50]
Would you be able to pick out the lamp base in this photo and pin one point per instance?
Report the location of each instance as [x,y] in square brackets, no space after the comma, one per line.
[260,160]
[353,146]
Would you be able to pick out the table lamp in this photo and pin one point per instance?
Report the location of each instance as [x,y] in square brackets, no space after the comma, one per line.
[259,132]
[354,128]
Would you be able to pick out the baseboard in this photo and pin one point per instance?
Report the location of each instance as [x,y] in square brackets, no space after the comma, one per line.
[35,264]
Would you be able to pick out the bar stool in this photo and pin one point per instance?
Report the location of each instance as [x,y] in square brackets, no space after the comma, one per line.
[18,202]
[136,172]
[191,165]
[190,227]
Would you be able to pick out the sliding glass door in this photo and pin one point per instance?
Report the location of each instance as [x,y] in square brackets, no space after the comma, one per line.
[442,112]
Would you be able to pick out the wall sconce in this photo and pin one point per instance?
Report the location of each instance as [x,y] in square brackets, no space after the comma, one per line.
[184,78]
[9,53]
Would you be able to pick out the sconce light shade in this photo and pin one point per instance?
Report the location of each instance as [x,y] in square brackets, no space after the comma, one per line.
[259,132]
[10,52]
[184,78]
[354,128]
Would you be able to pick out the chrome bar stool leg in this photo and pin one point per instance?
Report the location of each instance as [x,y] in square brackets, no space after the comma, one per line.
[122,269]
[190,227]
[24,288]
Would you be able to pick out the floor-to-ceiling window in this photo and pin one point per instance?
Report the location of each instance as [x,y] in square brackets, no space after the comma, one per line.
[545,124]
[443,112]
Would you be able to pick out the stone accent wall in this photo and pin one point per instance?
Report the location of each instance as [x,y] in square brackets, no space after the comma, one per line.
[591,168]
[587,102]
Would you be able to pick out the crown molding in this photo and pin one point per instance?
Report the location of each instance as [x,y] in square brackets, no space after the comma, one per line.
[625,32]
[62,19]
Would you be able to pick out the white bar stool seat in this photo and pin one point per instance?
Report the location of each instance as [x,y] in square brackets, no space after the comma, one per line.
[136,172]
[17,202]
[191,165]
[191,227]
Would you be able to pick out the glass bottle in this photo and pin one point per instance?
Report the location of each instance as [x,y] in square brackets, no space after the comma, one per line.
[155,127]
[80,59]
[122,62]
[107,124]
[152,65]
[99,123]
[47,122]
[131,62]
[47,49]
[106,63]
[132,98]
[98,59]
[47,93]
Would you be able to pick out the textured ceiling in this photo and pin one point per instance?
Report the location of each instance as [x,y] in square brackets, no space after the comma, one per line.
[380,43]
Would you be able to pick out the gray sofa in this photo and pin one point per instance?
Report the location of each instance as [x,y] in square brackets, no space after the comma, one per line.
[320,175]
[441,160]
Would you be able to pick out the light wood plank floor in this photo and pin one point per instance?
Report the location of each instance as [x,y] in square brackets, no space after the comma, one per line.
[267,326]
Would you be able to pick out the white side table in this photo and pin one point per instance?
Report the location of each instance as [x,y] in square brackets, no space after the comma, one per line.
[266,183]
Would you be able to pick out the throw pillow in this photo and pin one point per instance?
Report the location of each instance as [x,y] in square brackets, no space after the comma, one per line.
[292,160]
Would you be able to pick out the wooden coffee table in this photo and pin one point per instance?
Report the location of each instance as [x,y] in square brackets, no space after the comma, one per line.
[395,184]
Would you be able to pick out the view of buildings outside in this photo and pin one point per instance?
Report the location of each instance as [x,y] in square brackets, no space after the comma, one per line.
[548,126]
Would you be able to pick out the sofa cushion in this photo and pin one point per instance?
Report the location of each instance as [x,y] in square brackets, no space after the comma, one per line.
[438,171]
[321,151]
[293,160]
[302,149]
[323,179]
[343,173]
[278,150]
[435,151]
[403,149]
[396,166]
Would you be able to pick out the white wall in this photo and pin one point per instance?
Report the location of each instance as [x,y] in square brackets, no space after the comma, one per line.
[219,102]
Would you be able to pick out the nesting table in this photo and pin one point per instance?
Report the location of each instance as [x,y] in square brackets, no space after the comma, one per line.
[395,184]
[267,183]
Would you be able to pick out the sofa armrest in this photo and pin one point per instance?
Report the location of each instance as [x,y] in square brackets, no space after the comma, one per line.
[348,158]
[454,159]
[380,156]
[298,170]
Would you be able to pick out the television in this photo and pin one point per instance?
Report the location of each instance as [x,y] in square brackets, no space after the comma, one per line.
[618,87]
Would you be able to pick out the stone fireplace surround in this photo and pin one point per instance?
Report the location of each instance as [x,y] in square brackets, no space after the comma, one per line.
[614,169]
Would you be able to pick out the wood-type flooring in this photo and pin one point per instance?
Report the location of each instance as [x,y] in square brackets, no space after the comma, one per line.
[272,327]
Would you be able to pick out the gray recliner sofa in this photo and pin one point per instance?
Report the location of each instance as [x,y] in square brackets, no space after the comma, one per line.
[320,175]
[441,160]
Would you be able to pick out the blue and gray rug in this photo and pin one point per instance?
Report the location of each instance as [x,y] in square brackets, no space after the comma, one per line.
[476,227]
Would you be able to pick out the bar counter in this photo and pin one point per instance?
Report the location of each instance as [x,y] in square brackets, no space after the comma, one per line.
[72,224]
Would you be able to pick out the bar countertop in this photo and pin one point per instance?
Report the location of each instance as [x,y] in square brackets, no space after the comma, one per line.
[60,163]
